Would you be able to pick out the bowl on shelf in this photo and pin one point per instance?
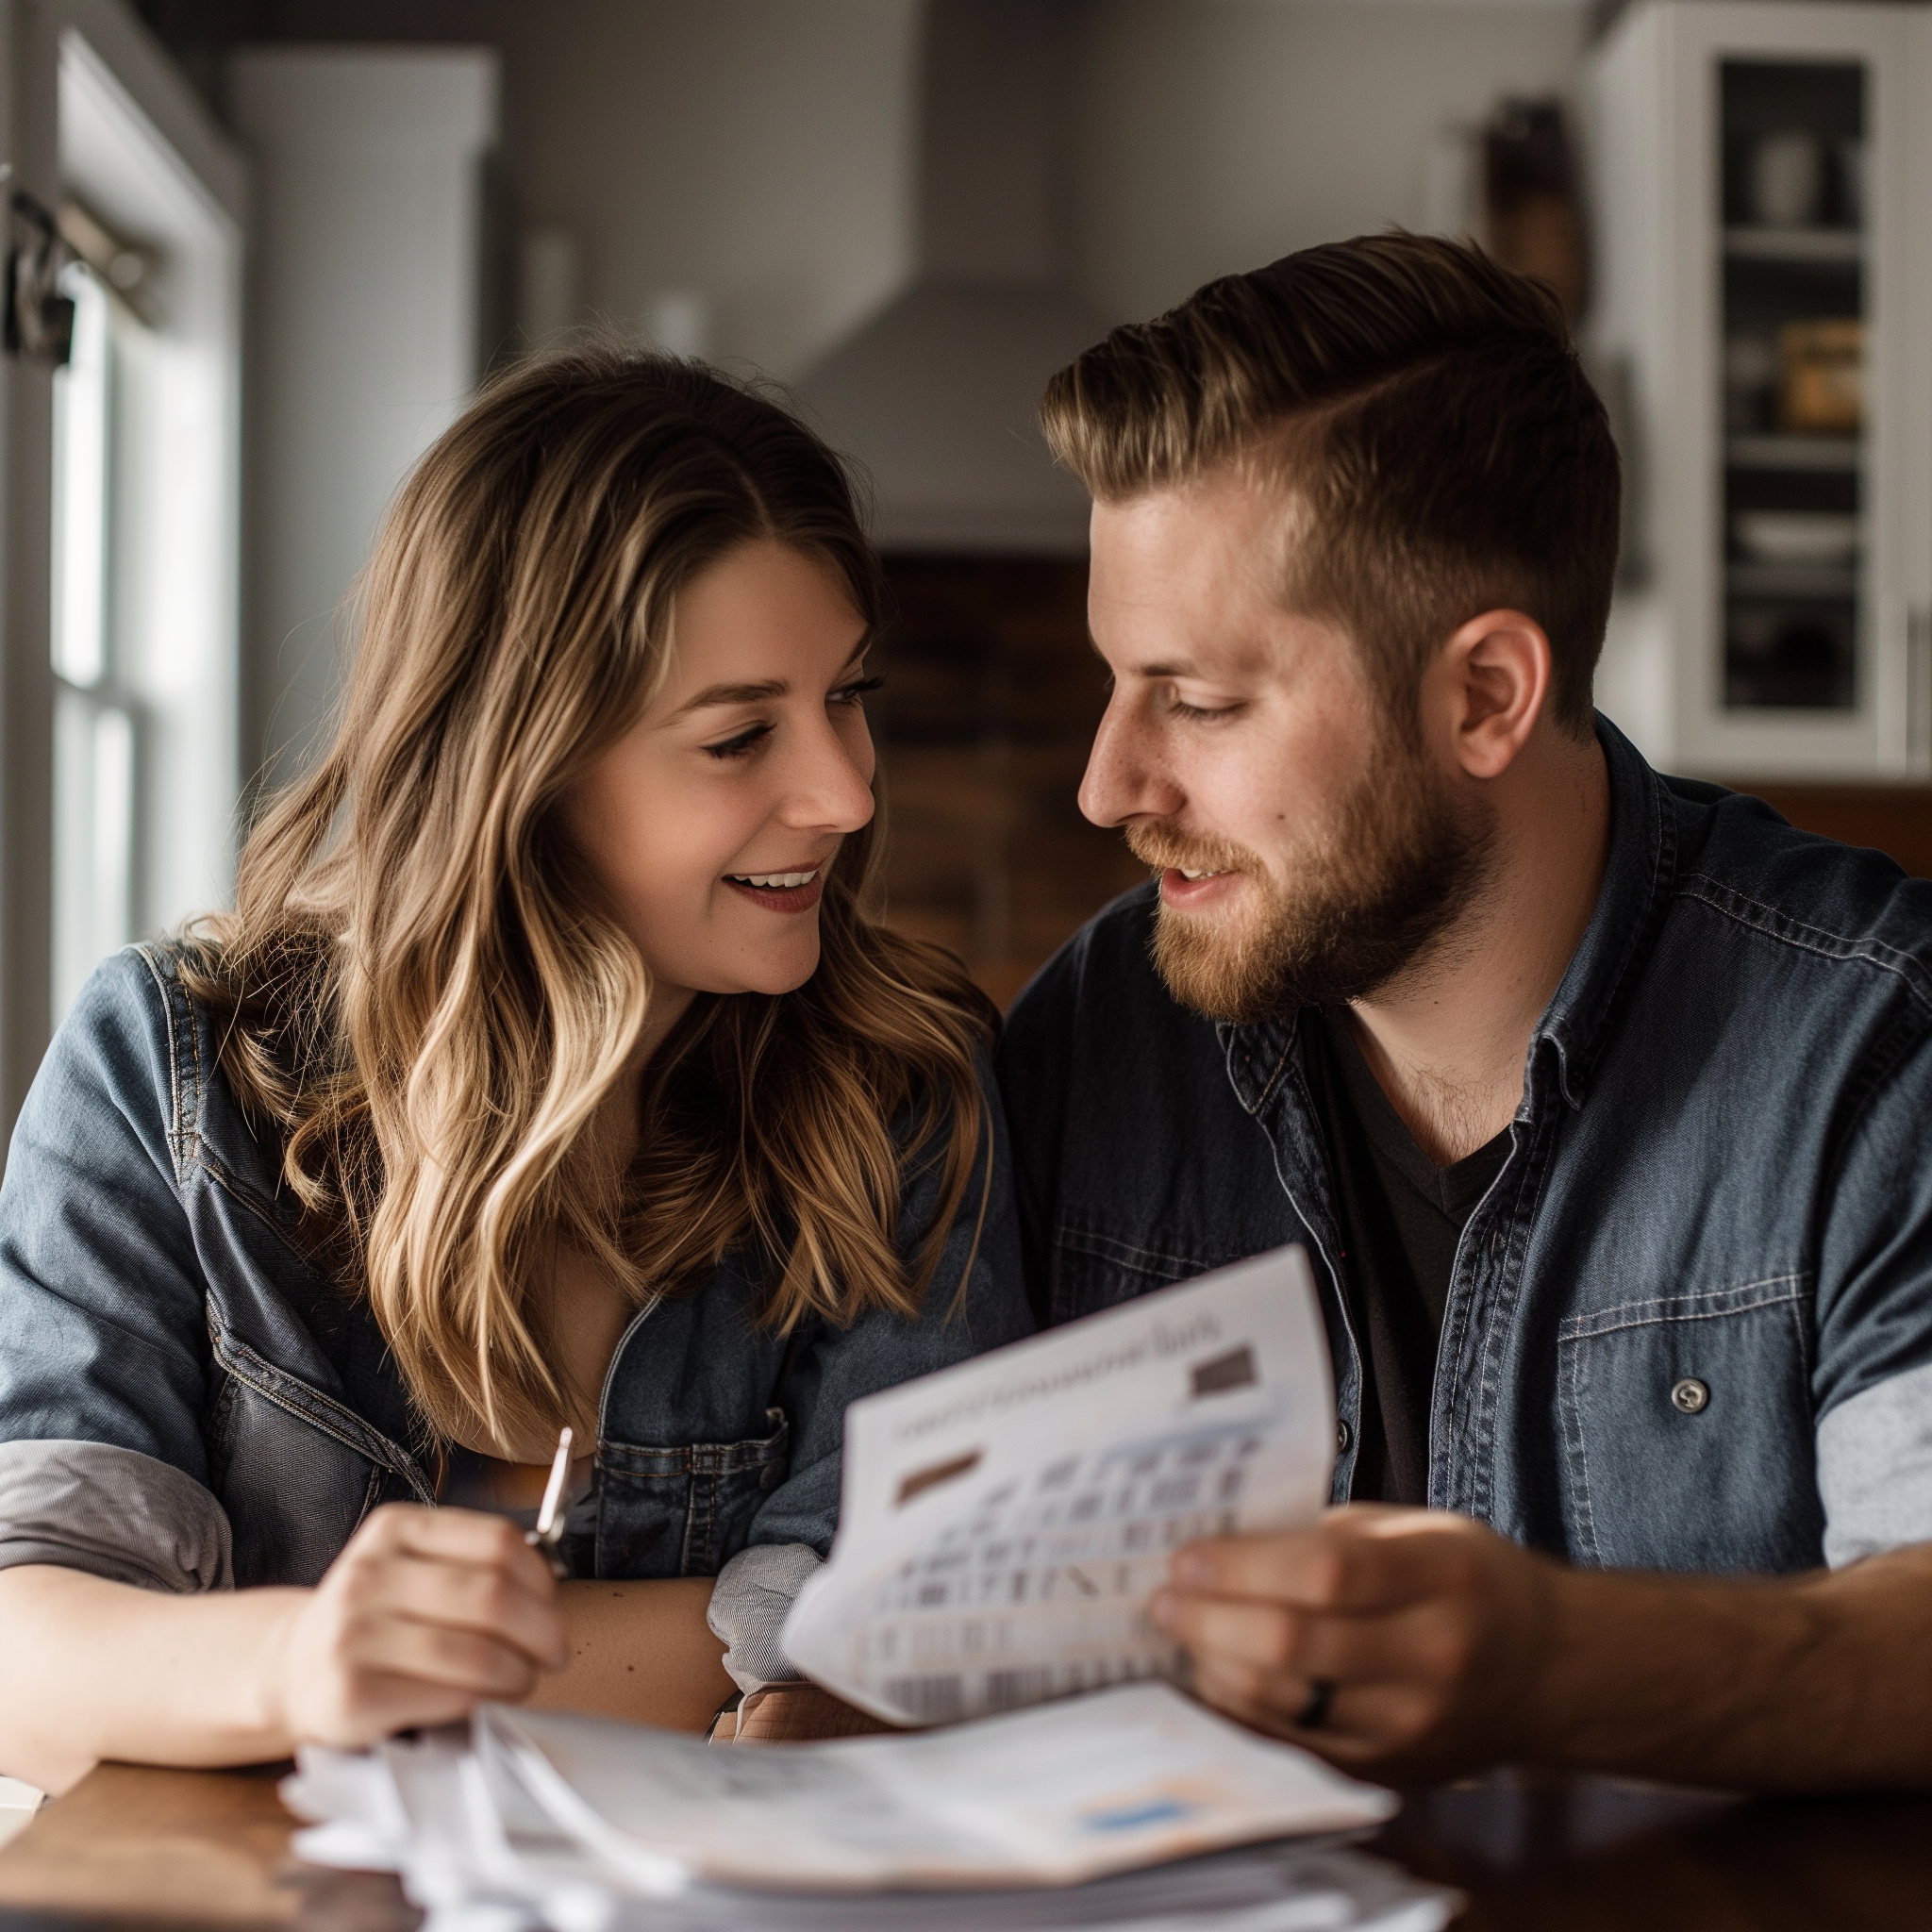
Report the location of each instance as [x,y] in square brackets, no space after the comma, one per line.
[1795,536]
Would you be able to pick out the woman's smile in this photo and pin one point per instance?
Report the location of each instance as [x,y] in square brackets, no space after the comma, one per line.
[797,890]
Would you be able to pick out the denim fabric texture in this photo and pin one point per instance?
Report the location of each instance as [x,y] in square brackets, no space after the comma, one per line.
[158,1320]
[1695,1303]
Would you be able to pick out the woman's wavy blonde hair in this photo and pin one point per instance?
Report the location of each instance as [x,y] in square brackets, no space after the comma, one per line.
[420,991]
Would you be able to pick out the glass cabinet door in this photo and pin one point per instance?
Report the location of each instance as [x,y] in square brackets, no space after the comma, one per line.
[1763,286]
[1792,169]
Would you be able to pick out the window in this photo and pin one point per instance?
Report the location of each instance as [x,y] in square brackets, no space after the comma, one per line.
[142,603]
[94,722]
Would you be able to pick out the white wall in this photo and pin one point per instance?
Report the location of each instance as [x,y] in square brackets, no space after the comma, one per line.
[364,315]
[1215,135]
[756,151]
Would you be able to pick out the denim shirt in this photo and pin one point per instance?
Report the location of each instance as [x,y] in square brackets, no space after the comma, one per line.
[187,1402]
[1689,1324]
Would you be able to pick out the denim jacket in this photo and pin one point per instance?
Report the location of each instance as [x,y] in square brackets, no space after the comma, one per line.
[1689,1324]
[186,1401]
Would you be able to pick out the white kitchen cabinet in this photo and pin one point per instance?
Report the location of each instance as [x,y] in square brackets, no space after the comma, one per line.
[1764,283]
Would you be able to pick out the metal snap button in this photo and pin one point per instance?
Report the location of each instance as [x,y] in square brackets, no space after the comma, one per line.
[1690,1395]
[1342,1439]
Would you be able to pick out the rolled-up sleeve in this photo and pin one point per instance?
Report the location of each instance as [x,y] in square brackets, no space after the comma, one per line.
[1873,1375]
[112,1513]
[104,1349]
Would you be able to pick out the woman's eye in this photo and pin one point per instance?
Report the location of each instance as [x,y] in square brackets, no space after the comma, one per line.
[851,694]
[737,747]
[1182,709]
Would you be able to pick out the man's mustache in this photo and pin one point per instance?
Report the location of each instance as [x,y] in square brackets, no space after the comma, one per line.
[1159,844]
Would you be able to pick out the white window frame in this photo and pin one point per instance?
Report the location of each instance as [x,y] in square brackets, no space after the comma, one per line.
[155,162]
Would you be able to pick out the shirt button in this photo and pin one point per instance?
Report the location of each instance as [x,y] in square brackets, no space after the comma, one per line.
[1690,1395]
[1342,1439]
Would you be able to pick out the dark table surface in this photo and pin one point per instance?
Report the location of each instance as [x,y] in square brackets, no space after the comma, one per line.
[128,1847]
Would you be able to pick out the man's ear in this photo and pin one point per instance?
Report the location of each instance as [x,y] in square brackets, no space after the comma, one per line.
[1495,673]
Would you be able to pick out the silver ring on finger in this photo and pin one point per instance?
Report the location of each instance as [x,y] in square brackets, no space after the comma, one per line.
[1314,1713]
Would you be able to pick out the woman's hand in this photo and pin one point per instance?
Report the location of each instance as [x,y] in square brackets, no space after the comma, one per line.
[424,1613]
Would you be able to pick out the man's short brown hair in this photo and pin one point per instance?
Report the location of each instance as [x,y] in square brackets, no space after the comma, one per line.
[1428,412]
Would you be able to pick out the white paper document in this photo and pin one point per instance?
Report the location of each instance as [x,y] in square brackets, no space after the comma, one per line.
[1134,1808]
[1004,1523]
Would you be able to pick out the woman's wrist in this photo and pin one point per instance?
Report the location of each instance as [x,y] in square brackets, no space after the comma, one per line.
[261,1714]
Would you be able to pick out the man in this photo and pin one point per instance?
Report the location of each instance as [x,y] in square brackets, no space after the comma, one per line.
[1597,1098]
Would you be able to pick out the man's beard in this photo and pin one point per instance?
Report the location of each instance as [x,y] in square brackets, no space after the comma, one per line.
[1367,894]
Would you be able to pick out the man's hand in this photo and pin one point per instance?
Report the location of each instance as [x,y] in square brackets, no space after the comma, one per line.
[424,1613]
[1430,1629]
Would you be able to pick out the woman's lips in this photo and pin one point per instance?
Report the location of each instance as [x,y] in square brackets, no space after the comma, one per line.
[1193,896]
[782,898]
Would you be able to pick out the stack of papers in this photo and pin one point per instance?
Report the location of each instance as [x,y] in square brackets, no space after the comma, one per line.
[1004,1523]
[1133,1807]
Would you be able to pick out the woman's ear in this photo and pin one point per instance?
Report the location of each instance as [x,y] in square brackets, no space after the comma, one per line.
[1496,669]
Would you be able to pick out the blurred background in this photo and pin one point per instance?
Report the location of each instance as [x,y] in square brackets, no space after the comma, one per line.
[262,250]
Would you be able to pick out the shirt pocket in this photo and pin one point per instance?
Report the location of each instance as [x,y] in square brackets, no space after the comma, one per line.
[1093,1271]
[685,1510]
[1686,1432]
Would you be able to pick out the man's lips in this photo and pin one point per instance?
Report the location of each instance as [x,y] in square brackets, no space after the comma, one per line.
[1186,894]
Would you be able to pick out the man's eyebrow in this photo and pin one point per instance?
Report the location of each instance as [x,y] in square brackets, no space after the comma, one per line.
[731,694]
[1178,667]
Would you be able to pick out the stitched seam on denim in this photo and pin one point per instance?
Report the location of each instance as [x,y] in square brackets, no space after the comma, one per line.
[1579,1448]
[1686,1307]
[1757,917]
[696,1458]
[1775,1301]
[175,1152]
[1101,1247]
[1279,1068]
[371,1490]
[1499,1324]
[188,1020]
[295,1397]
[255,1204]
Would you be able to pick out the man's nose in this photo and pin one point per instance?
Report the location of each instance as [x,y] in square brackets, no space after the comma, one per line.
[1121,781]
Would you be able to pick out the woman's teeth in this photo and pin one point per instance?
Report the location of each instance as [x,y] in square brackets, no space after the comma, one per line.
[786,879]
[1186,874]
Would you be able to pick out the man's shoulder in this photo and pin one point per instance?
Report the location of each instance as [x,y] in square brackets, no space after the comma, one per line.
[1838,909]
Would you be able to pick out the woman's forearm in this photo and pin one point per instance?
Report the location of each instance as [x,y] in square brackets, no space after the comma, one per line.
[641,1651]
[91,1669]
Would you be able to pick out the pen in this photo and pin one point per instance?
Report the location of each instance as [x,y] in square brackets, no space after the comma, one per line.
[550,1516]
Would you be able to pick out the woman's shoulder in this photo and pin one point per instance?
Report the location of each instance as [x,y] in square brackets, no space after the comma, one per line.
[142,1042]
[128,1022]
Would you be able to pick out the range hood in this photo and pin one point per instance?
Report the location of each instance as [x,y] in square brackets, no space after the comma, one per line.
[935,394]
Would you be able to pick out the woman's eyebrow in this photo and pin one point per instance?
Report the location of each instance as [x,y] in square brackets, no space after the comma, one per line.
[732,694]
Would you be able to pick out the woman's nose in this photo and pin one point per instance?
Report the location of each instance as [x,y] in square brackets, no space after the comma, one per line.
[829,791]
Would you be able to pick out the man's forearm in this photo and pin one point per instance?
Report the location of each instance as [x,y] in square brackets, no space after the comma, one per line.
[1812,1683]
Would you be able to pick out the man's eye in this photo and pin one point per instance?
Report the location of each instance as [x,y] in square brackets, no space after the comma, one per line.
[851,694]
[737,747]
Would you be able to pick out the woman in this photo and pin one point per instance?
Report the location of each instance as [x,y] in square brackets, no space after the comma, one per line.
[547,1075]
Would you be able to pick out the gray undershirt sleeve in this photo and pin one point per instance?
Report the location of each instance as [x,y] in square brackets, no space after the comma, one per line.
[112,1513]
[1874,1468]
[749,1605]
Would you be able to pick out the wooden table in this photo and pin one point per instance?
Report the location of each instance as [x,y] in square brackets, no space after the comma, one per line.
[131,1848]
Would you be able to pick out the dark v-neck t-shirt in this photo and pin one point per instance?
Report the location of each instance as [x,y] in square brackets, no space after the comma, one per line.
[1401,1217]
